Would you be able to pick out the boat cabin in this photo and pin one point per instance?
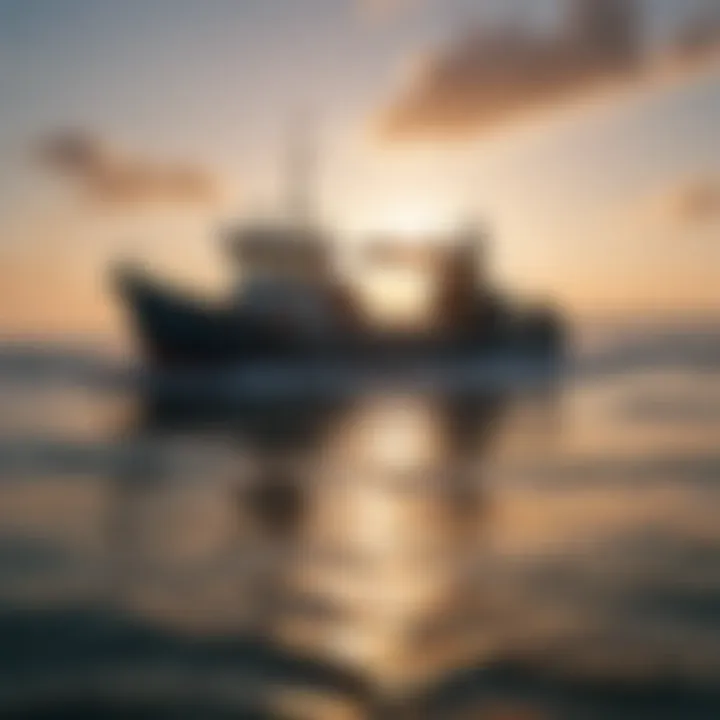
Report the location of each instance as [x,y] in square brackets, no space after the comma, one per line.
[283,277]
[284,253]
[287,275]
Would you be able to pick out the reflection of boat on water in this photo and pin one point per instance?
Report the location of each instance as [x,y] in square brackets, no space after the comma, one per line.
[262,549]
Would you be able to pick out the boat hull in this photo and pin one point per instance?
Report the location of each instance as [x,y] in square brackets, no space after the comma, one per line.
[174,330]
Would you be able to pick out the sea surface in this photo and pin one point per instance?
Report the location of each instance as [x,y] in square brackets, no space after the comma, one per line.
[518,551]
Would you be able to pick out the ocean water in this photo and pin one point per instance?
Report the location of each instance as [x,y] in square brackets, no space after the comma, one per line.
[518,551]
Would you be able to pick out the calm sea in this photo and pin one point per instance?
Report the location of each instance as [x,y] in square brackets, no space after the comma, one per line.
[538,552]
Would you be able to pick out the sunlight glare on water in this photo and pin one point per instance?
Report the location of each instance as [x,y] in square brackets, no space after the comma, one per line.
[420,549]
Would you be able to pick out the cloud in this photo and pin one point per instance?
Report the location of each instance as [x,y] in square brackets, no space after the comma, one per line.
[106,175]
[697,203]
[699,38]
[684,206]
[484,78]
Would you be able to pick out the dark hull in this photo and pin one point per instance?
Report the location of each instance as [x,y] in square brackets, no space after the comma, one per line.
[176,330]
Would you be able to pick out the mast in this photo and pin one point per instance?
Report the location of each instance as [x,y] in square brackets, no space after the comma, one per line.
[302,171]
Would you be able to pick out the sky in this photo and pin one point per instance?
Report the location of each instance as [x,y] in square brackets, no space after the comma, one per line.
[137,128]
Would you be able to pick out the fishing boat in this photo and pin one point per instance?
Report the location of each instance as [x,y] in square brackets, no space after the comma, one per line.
[295,306]
[292,307]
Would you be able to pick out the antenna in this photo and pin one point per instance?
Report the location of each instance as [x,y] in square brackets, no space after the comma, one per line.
[302,167]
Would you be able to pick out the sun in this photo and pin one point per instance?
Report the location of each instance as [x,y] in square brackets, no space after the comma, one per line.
[410,220]
[417,221]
